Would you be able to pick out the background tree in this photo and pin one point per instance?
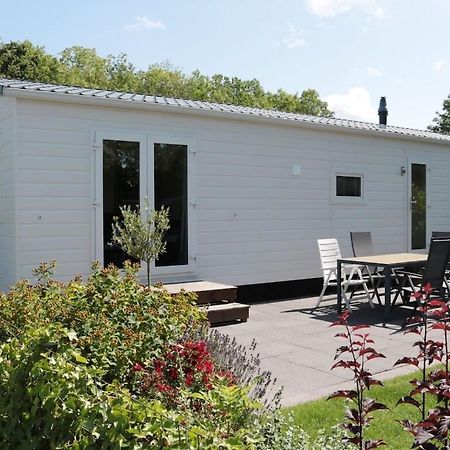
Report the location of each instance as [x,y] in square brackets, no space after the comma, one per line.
[25,61]
[442,120]
[80,66]
[163,79]
[311,103]
[83,67]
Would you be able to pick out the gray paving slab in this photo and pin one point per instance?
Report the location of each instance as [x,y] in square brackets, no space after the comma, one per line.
[297,345]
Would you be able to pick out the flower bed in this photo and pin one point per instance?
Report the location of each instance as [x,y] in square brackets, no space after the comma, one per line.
[110,364]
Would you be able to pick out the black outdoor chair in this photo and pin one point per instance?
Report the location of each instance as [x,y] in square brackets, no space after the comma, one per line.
[433,273]
[443,235]
[440,235]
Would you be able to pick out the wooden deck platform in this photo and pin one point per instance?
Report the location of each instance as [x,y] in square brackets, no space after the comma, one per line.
[218,299]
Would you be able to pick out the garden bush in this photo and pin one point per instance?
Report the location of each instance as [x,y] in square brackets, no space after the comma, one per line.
[109,364]
[430,392]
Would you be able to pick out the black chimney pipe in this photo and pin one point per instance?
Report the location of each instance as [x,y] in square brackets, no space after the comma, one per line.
[383,112]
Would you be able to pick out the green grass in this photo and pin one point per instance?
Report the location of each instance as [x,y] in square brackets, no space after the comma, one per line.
[323,414]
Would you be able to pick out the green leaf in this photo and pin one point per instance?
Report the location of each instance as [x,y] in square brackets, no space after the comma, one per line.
[79,358]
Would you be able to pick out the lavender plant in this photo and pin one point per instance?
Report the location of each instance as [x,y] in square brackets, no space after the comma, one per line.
[244,364]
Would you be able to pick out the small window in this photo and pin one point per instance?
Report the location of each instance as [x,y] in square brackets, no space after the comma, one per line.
[349,186]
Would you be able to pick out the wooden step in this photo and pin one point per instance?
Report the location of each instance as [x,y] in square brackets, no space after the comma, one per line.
[207,292]
[228,312]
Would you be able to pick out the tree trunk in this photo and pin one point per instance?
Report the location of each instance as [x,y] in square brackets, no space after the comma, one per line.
[148,274]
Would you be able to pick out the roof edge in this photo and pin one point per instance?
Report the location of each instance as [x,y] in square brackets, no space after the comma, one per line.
[213,114]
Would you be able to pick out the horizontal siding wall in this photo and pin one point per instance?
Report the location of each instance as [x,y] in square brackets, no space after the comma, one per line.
[54,189]
[7,177]
[255,220]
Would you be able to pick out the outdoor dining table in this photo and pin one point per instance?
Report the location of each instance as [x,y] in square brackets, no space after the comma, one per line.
[387,262]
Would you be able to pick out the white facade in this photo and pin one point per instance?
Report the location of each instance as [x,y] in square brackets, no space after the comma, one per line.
[261,191]
[8,174]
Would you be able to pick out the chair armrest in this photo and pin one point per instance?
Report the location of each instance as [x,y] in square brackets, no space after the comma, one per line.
[408,274]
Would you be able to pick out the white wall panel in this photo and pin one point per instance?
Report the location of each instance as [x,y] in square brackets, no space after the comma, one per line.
[257,221]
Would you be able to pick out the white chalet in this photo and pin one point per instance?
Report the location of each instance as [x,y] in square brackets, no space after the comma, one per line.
[250,191]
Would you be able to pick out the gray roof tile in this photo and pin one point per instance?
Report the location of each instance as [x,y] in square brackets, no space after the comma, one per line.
[210,106]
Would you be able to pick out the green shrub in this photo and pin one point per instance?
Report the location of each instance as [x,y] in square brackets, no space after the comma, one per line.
[117,321]
[53,397]
[72,359]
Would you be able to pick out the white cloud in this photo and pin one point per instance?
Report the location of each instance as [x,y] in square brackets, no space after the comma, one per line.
[144,23]
[329,8]
[294,38]
[373,71]
[379,12]
[354,104]
[439,65]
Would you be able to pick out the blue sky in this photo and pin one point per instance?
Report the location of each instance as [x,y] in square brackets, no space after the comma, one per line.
[351,51]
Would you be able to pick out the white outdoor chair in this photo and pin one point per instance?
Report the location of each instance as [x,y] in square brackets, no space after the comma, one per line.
[351,276]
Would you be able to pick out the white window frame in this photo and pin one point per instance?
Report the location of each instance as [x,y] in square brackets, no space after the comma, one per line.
[344,198]
[97,200]
[146,189]
[417,158]
[167,272]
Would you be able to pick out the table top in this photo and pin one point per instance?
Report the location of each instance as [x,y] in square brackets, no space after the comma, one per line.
[392,259]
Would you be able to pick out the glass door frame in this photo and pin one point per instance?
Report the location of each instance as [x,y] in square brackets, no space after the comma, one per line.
[176,139]
[146,189]
[97,203]
[417,159]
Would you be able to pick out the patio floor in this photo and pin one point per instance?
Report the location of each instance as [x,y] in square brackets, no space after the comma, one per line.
[296,344]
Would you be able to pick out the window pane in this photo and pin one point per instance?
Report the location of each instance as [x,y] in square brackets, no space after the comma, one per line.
[348,186]
[418,206]
[120,188]
[171,191]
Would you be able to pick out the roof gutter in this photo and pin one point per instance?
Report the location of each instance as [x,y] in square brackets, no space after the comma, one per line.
[213,114]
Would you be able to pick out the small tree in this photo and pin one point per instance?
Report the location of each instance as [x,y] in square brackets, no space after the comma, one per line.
[141,237]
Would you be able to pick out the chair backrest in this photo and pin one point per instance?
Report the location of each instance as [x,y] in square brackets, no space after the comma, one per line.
[436,263]
[329,254]
[361,243]
[440,235]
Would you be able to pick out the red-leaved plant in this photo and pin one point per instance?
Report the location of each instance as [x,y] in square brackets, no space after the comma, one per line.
[431,433]
[354,356]
[186,365]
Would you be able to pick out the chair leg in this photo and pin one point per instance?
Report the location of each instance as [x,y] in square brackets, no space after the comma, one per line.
[400,292]
[376,284]
[325,285]
[344,296]
[369,297]
[321,296]
[446,290]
